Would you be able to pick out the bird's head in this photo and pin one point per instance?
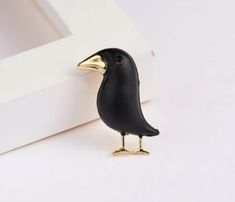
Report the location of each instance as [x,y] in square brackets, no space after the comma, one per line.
[107,61]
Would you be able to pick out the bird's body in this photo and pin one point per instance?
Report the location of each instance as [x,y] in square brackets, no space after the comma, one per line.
[118,99]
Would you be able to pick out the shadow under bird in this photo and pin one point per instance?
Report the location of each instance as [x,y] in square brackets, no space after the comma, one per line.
[118,99]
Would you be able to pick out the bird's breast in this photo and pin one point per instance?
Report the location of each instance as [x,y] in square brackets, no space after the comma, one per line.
[117,101]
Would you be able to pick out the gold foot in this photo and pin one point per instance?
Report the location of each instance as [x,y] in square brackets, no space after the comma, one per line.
[141,152]
[121,152]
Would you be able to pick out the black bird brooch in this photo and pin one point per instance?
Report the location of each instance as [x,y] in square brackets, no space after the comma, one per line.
[118,99]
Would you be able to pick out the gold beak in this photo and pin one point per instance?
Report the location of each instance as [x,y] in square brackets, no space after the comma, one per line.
[93,63]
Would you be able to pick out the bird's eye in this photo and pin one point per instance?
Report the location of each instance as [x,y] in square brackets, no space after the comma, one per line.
[119,60]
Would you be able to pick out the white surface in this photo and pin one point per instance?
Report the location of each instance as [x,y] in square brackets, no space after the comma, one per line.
[40,85]
[193,158]
[23,26]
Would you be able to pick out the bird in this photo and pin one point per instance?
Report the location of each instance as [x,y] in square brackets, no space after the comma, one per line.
[118,98]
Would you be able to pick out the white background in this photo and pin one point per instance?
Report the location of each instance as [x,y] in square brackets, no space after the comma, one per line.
[192,159]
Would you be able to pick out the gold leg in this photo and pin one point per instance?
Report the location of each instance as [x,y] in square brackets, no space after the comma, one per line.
[141,151]
[122,150]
